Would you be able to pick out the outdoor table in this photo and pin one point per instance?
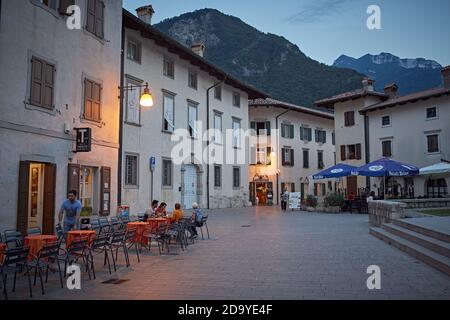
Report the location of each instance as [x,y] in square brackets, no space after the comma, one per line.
[140,228]
[72,235]
[155,222]
[2,251]
[37,242]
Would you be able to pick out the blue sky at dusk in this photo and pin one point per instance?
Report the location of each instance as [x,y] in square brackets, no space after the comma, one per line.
[325,29]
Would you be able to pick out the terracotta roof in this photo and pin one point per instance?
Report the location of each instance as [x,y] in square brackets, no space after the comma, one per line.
[413,97]
[320,112]
[147,31]
[350,95]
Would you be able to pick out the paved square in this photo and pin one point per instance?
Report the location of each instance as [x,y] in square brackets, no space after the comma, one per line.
[261,253]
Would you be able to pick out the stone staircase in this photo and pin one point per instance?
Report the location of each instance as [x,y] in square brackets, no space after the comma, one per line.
[424,242]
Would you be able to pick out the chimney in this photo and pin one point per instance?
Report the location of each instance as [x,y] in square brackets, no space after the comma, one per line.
[446,76]
[391,90]
[198,48]
[368,84]
[145,13]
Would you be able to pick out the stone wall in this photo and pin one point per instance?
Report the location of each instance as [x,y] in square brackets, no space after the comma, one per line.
[427,203]
[381,211]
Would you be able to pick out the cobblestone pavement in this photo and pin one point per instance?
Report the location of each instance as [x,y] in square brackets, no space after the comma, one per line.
[261,253]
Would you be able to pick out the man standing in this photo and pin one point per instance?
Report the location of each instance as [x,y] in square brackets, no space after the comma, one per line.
[284,199]
[72,209]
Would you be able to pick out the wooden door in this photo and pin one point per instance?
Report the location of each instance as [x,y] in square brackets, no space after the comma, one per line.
[352,185]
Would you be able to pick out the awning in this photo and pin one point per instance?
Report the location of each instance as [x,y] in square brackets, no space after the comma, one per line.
[438,168]
[337,171]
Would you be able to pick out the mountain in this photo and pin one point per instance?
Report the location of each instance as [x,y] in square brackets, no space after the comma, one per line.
[411,75]
[267,61]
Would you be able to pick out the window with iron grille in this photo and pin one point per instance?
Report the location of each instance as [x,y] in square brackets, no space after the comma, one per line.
[131,170]
[385,121]
[217,176]
[236,177]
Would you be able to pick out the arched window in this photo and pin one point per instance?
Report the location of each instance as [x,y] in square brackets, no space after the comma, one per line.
[437,188]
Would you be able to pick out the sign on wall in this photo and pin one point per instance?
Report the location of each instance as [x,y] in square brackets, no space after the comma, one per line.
[83,139]
[152,163]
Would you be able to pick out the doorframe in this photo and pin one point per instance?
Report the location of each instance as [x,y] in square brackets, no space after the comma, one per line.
[199,192]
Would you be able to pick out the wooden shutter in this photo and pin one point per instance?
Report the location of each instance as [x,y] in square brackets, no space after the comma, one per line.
[283,160]
[358,151]
[346,119]
[37,79]
[48,220]
[90,21]
[268,127]
[48,84]
[292,157]
[73,177]
[343,153]
[23,195]
[309,134]
[291,131]
[252,192]
[302,136]
[87,99]
[99,18]
[96,98]
[105,191]
[64,4]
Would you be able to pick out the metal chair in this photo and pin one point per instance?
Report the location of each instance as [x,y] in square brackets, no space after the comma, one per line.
[15,262]
[77,249]
[204,223]
[34,231]
[130,241]
[45,257]
[13,239]
[100,245]
[117,241]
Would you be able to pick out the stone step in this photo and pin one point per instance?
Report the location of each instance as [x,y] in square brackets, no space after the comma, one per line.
[425,255]
[423,230]
[438,246]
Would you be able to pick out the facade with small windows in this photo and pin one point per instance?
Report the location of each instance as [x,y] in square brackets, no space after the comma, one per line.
[54,80]
[287,158]
[180,81]
[412,129]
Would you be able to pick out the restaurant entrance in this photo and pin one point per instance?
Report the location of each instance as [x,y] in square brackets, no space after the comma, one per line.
[36,199]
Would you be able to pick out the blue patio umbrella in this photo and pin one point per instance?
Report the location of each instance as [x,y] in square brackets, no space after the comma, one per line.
[337,171]
[386,167]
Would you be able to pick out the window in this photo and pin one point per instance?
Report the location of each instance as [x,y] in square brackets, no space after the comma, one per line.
[287,131]
[262,128]
[320,189]
[53,4]
[305,134]
[218,128]
[305,158]
[320,164]
[432,113]
[42,83]
[349,118]
[168,114]
[236,99]
[351,152]
[236,177]
[289,186]
[437,188]
[167,173]
[287,155]
[169,68]
[133,110]
[192,120]
[385,121]
[321,136]
[386,148]
[236,133]
[92,100]
[263,156]
[333,138]
[86,189]
[433,143]
[95,17]
[192,79]
[217,176]
[131,170]
[218,93]
[134,50]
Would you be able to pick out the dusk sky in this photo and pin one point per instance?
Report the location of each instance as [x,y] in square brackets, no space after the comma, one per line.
[325,29]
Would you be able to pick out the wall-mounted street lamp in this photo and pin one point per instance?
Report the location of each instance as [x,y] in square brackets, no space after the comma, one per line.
[146,99]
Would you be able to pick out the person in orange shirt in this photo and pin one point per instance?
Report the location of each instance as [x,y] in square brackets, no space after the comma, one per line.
[177,214]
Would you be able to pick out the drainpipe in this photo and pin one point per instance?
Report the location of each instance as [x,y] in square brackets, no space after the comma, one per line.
[278,152]
[119,162]
[208,140]
[367,147]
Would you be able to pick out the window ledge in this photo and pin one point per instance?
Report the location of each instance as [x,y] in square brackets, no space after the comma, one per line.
[131,187]
[93,122]
[52,112]
[433,153]
[39,4]
[133,124]
[167,187]
[101,40]
[167,132]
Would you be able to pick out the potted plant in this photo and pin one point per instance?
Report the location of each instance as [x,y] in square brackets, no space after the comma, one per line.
[333,203]
[311,203]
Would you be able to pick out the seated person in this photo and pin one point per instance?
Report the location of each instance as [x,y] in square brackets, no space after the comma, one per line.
[151,211]
[196,220]
[161,211]
[177,214]
[351,196]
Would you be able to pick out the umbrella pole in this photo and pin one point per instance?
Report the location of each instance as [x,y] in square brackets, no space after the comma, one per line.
[384,187]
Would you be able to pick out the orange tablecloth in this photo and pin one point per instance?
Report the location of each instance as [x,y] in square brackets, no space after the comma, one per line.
[2,251]
[72,235]
[37,242]
[140,228]
[155,222]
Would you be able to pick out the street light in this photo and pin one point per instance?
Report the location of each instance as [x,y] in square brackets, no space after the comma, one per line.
[146,99]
